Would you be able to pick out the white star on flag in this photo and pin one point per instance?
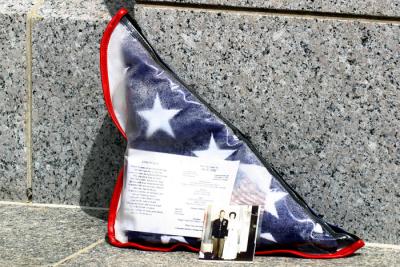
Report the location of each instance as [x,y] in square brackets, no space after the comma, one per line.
[158,118]
[213,151]
[318,228]
[268,236]
[271,198]
[263,179]
[165,239]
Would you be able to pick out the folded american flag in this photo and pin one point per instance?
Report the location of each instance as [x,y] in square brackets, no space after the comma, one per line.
[157,112]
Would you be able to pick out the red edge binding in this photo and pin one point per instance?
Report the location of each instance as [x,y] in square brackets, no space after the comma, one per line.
[118,186]
[104,66]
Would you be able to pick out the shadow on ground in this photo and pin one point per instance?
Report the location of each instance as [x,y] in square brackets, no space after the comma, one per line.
[107,153]
[101,168]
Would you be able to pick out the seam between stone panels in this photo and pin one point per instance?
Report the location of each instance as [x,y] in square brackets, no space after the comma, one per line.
[270,12]
[30,17]
[79,252]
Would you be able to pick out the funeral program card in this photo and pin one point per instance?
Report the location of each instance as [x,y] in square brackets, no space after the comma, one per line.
[167,193]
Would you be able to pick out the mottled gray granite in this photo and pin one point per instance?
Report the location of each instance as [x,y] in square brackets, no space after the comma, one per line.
[106,255]
[77,151]
[43,236]
[94,10]
[16,7]
[319,98]
[366,7]
[40,236]
[13,96]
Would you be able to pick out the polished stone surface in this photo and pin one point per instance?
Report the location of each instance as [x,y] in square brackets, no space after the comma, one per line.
[13,97]
[367,7]
[94,10]
[319,98]
[16,7]
[76,149]
[106,255]
[70,236]
[40,236]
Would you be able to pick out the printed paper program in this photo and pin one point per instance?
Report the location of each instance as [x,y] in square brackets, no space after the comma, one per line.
[167,193]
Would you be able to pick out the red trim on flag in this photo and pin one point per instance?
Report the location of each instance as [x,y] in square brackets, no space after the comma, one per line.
[104,66]
[119,184]
[346,251]
[112,215]
[111,235]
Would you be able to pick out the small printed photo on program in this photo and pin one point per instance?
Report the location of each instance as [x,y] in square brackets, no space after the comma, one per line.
[229,233]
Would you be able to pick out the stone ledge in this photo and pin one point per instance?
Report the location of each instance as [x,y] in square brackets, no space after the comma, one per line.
[45,235]
[106,255]
[39,235]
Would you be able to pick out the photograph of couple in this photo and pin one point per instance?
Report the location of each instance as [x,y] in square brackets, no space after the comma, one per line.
[229,233]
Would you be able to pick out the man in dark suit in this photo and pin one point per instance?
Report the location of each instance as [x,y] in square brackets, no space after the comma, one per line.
[218,233]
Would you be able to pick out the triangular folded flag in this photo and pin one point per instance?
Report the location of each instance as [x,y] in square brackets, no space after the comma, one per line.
[166,123]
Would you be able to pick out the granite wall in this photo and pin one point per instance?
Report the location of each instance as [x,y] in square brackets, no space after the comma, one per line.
[314,84]
[13,101]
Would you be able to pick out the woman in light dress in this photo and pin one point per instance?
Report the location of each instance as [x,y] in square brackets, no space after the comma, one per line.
[231,245]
